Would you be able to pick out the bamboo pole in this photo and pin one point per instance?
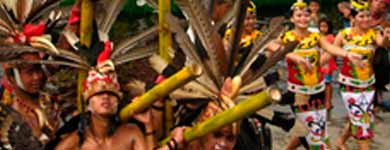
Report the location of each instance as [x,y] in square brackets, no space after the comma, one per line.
[86,40]
[168,117]
[241,110]
[161,90]
[86,23]
[165,37]
[165,42]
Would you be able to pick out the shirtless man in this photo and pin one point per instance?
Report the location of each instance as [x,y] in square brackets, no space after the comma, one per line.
[103,130]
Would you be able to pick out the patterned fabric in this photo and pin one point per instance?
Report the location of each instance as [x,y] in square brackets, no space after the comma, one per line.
[300,81]
[246,40]
[360,111]
[98,82]
[362,44]
[313,114]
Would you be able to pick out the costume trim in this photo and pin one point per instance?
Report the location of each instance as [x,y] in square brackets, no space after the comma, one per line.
[304,89]
[356,82]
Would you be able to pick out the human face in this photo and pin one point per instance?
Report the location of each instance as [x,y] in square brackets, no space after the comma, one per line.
[324,28]
[362,20]
[31,74]
[220,140]
[300,18]
[314,7]
[250,22]
[377,6]
[104,104]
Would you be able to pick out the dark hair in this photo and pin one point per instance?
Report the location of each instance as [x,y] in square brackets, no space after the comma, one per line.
[291,12]
[354,12]
[85,121]
[314,1]
[327,21]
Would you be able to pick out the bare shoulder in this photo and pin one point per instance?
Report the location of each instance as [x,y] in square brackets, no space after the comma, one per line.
[69,142]
[129,131]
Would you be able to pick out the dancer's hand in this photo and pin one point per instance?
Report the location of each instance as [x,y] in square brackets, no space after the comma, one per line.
[178,137]
[356,59]
[307,66]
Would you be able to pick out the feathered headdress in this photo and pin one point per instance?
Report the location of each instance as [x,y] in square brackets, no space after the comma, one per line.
[101,56]
[21,22]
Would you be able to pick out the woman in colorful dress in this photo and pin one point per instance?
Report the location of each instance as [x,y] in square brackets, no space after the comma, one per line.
[306,83]
[357,79]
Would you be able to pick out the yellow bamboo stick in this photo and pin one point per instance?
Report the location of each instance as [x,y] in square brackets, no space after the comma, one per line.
[165,37]
[168,117]
[241,110]
[161,90]
[86,23]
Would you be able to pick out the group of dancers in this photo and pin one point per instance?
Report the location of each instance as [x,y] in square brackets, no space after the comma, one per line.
[33,49]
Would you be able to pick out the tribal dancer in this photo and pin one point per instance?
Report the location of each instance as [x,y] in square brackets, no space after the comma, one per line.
[225,138]
[357,79]
[103,130]
[29,117]
[305,81]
